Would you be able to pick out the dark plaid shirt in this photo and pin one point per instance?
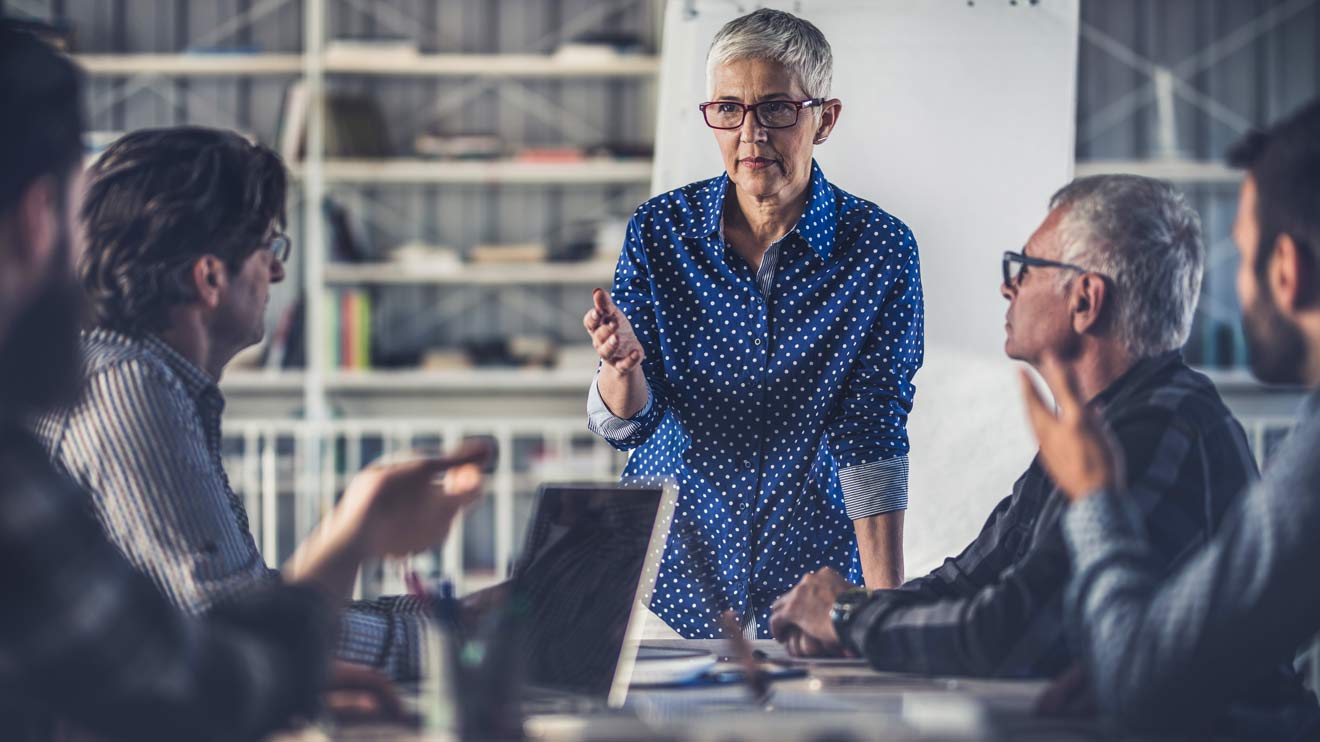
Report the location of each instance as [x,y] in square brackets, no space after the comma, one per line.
[996,609]
[86,639]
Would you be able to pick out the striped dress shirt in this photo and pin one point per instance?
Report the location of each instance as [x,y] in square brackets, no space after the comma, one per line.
[145,441]
[996,609]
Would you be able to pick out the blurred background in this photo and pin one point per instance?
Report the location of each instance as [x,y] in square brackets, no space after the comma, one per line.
[465,179]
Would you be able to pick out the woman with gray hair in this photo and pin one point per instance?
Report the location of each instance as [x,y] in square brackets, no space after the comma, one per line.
[759,346]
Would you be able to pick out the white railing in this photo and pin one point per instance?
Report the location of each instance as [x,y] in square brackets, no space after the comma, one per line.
[1265,433]
[266,461]
[269,467]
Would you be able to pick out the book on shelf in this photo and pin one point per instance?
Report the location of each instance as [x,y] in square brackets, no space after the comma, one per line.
[344,245]
[551,155]
[354,126]
[293,123]
[474,146]
[495,254]
[425,257]
[285,349]
[600,46]
[350,50]
[348,328]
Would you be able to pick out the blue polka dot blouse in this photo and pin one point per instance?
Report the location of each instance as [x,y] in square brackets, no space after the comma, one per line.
[778,405]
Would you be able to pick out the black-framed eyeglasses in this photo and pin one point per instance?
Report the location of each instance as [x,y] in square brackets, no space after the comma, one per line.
[772,114]
[280,246]
[1015,264]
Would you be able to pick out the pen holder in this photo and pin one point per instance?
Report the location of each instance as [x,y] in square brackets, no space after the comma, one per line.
[479,673]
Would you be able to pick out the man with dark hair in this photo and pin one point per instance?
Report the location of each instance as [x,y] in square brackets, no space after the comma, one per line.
[1172,650]
[83,637]
[167,208]
[183,229]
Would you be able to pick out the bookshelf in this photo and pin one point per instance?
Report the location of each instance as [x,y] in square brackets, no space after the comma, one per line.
[190,65]
[513,172]
[221,64]
[388,382]
[1175,170]
[492,65]
[321,65]
[571,381]
[374,61]
[531,274]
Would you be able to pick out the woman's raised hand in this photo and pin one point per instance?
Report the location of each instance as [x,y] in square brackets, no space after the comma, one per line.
[612,335]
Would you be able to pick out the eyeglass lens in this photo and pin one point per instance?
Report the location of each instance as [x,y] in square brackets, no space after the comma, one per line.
[770,114]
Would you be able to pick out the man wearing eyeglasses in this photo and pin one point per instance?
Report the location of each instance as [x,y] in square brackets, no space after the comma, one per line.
[184,240]
[1109,283]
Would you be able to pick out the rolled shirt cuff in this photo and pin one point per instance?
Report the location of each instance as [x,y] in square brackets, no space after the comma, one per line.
[608,425]
[875,488]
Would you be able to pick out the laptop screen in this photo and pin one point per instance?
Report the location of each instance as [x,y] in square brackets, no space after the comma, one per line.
[585,577]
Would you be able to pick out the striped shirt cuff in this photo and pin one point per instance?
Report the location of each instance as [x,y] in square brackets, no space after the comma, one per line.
[384,634]
[606,424]
[875,488]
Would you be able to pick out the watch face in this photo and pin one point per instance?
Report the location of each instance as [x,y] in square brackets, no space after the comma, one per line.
[849,600]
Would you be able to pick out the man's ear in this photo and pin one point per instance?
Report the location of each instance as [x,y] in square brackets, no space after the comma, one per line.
[1087,302]
[30,232]
[210,278]
[1290,276]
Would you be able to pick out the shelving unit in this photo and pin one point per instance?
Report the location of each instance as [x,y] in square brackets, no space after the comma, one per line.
[220,63]
[199,64]
[504,172]
[467,380]
[530,274]
[1174,170]
[287,431]
[321,64]
[391,381]
[491,65]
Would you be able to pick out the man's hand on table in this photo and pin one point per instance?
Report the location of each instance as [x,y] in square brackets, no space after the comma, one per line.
[356,693]
[800,619]
[1068,695]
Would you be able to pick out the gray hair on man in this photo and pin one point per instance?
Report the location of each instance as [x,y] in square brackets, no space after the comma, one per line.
[1142,234]
[779,37]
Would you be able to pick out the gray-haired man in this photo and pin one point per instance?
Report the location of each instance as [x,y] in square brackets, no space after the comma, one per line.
[1185,650]
[1108,283]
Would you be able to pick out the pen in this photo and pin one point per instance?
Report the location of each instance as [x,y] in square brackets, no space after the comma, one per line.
[415,586]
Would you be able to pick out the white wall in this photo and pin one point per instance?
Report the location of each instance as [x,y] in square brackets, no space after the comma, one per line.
[958,119]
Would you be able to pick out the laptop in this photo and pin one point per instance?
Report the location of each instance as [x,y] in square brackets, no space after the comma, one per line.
[585,576]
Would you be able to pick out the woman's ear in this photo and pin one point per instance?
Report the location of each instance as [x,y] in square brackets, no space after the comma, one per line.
[829,117]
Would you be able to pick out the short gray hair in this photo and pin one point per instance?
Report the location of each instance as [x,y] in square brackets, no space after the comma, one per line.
[1143,235]
[779,37]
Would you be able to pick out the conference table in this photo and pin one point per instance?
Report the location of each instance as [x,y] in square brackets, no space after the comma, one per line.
[833,701]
